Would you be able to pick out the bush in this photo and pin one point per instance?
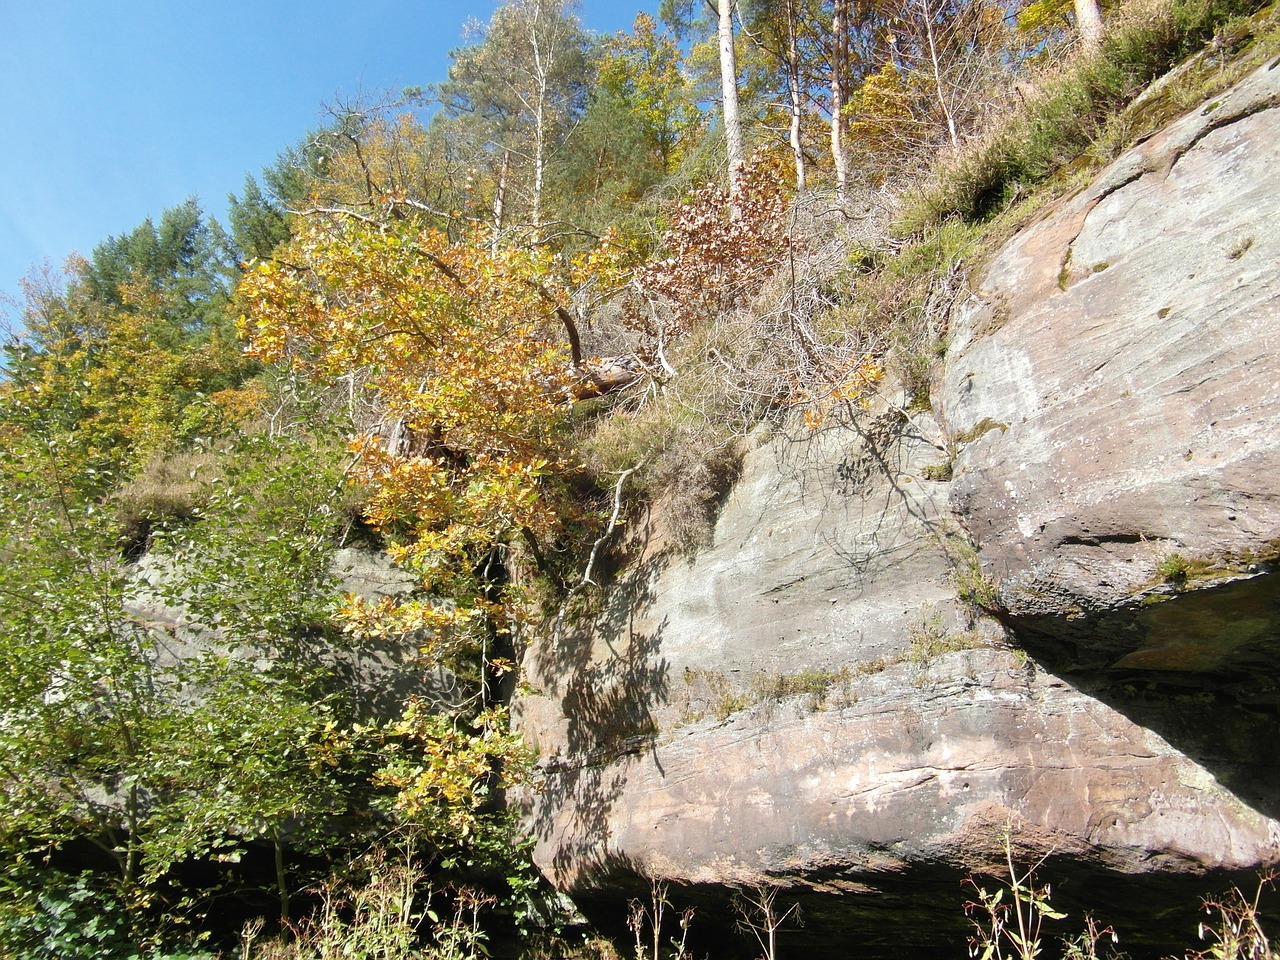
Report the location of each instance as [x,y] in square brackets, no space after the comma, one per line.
[45,913]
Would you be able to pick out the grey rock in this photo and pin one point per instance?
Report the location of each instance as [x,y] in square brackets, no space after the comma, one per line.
[374,678]
[1134,414]
[1111,399]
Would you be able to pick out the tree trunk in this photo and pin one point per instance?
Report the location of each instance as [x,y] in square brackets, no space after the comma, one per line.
[926,16]
[541,75]
[729,86]
[839,93]
[794,93]
[282,880]
[1089,23]
[499,200]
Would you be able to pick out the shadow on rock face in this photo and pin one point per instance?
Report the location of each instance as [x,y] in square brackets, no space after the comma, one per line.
[608,677]
[1201,668]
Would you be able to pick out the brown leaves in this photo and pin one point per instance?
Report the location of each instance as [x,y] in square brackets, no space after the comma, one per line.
[719,254]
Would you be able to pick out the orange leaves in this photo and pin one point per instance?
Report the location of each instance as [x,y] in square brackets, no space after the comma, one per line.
[462,348]
[853,382]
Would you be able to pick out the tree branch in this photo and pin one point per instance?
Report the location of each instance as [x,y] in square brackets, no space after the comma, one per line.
[595,550]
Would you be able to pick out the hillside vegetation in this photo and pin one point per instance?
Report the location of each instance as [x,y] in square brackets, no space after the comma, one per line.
[479,342]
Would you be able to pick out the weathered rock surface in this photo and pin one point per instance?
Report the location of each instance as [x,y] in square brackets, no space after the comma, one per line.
[1119,386]
[808,702]
[374,678]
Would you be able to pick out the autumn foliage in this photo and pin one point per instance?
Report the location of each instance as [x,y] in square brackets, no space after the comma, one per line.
[460,349]
[718,253]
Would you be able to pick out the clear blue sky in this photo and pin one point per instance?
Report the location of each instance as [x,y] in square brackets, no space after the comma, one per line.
[114,110]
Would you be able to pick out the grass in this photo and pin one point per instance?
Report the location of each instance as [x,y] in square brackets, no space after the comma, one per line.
[712,692]
[1079,121]
[929,639]
[977,589]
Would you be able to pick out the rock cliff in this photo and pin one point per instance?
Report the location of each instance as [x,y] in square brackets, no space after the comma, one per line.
[872,675]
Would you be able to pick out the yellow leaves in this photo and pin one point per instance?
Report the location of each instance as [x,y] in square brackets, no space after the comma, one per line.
[463,349]
[453,336]
[853,382]
[239,405]
[644,70]
[1038,18]
[445,770]
[879,108]
[608,265]
[366,620]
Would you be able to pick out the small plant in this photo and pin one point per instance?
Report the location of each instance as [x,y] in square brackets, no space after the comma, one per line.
[379,915]
[1173,568]
[815,685]
[646,922]
[1084,945]
[1010,926]
[45,913]
[929,639]
[1237,933]
[979,430]
[1064,275]
[758,913]
[938,472]
[976,588]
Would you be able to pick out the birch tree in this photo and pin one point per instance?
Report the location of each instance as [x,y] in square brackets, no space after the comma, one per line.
[523,83]
[729,93]
[840,93]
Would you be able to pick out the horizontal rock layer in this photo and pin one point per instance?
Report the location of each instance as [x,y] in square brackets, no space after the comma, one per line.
[809,703]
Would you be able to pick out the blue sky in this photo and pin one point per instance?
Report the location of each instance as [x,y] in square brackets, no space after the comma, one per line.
[114,110]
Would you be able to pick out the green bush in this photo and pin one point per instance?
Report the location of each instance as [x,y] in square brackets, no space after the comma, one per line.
[45,913]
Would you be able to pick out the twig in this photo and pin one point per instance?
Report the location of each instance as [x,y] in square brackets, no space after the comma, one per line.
[595,550]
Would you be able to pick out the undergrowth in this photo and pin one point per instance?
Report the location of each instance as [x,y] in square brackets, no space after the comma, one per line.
[1076,120]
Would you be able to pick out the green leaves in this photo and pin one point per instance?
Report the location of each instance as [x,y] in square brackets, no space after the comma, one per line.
[179,717]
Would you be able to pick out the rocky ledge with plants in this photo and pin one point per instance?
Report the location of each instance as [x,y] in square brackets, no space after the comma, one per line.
[864,547]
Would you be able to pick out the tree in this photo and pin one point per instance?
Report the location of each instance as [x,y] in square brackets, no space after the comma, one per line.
[109,738]
[719,253]
[522,84]
[117,373]
[259,217]
[930,82]
[465,350]
[258,223]
[776,27]
[729,94]
[643,71]
[641,117]
[839,92]
[184,261]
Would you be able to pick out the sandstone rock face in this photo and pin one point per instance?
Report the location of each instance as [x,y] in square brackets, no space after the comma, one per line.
[809,703]
[1118,385]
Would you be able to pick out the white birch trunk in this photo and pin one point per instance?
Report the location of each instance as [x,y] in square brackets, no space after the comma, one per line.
[1089,23]
[795,94]
[839,74]
[729,87]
